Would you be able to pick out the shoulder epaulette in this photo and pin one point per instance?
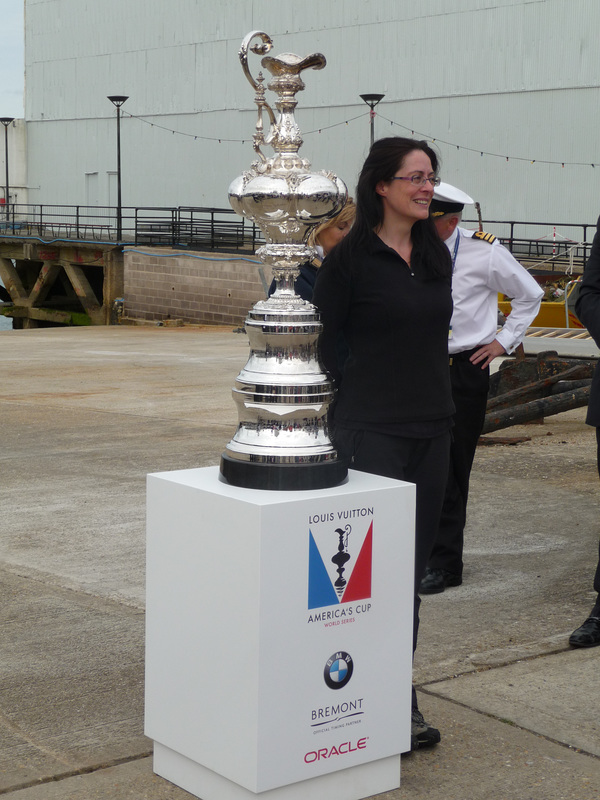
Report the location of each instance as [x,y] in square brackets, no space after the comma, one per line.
[485,237]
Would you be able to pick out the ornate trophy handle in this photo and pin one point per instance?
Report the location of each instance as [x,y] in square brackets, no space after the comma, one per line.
[260,50]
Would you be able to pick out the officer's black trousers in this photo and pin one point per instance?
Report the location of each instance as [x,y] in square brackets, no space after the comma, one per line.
[470,385]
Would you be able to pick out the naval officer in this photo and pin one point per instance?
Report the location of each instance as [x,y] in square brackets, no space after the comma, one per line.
[482,267]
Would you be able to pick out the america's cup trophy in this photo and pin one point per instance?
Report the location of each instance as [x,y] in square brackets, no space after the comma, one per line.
[283,393]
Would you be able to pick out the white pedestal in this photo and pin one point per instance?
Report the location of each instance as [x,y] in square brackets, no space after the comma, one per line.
[261,676]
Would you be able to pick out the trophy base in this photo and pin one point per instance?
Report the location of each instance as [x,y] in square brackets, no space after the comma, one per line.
[283,477]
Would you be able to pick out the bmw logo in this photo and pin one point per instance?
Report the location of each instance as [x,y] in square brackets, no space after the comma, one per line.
[338,670]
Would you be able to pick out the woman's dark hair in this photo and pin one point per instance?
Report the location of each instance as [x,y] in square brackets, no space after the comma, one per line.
[384,160]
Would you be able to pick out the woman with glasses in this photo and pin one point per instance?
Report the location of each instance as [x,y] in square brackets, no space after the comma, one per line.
[385,302]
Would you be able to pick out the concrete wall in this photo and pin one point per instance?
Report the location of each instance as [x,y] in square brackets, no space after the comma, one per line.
[199,288]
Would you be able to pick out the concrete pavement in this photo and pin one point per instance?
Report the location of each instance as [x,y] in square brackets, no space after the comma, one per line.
[87,413]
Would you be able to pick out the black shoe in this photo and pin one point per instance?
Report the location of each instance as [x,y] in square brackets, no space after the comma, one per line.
[436,580]
[421,733]
[588,635]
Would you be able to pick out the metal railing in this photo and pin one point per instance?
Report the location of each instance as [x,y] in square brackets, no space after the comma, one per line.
[549,246]
[53,221]
[183,227]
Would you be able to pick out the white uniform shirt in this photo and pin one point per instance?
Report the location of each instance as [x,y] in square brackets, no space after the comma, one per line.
[480,271]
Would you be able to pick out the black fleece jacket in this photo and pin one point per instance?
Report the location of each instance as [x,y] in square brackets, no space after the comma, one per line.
[395,326]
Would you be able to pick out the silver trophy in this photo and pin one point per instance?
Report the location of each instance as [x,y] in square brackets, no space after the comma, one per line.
[283,393]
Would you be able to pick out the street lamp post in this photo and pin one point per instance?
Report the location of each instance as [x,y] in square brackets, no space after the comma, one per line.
[6,122]
[371,100]
[117,100]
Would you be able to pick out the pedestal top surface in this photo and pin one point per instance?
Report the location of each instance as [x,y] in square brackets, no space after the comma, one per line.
[208,479]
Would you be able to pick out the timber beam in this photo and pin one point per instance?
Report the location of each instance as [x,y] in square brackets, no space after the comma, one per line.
[61,282]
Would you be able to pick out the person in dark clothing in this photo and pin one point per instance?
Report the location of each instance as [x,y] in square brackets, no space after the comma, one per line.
[587,309]
[385,290]
[323,238]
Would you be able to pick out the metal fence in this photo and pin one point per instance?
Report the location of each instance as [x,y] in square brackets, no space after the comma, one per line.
[555,247]
[548,246]
[183,227]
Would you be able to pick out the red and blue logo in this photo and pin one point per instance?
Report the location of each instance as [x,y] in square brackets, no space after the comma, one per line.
[339,566]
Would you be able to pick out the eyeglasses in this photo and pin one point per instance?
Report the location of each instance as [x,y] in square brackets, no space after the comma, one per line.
[418,180]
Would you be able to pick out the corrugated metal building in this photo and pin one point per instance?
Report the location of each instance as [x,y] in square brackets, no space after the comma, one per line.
[508,89]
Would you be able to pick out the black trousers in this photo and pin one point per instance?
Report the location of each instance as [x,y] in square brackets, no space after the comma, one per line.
[423,462]
[596,609]
[470,385]
[420,461]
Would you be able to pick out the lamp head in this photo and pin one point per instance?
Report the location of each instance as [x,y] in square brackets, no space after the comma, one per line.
[117,99]
[372,99]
